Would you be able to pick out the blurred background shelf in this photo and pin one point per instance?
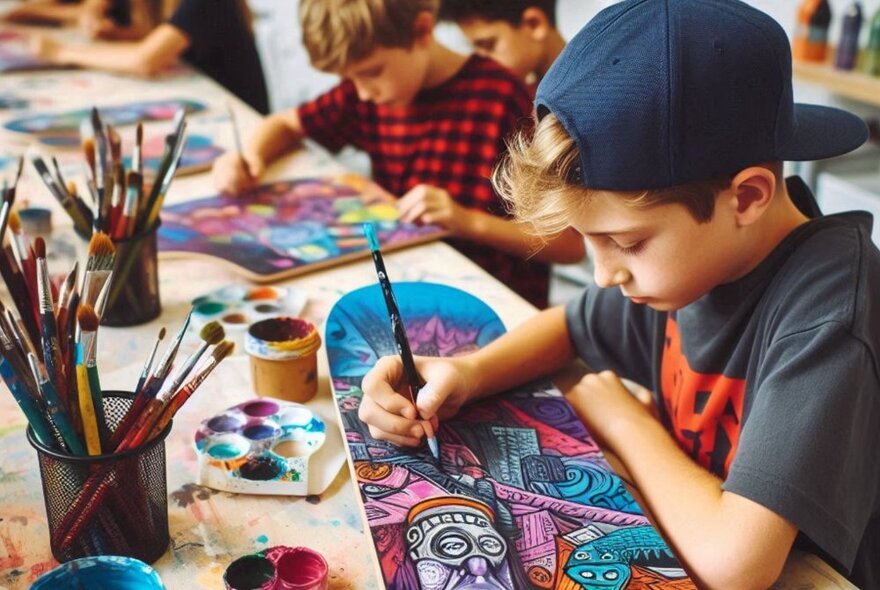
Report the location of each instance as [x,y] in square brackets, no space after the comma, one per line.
[851,84]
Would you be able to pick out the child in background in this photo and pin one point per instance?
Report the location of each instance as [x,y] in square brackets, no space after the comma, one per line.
[518,34]
[51,13]
[122,20]
[432,121]
[661,133]
[212,35]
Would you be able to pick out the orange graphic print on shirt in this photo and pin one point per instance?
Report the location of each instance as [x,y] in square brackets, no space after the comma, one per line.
[705,410]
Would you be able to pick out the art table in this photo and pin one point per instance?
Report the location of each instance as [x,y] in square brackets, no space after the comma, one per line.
[209,529]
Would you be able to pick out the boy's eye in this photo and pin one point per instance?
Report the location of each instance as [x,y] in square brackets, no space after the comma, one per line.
[372,72]
[631,249]
[486,45]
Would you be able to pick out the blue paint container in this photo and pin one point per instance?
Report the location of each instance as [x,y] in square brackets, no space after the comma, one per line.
[108,572]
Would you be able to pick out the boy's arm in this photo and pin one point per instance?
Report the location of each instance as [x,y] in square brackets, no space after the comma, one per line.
[233,172]
[724,540]
[428,204]
[148,57]
[47,12]
[276,135]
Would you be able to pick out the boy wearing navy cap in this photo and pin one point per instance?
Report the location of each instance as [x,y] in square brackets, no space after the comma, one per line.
[661,133]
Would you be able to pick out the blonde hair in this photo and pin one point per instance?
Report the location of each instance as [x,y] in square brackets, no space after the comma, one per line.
[338,32]
[534,179]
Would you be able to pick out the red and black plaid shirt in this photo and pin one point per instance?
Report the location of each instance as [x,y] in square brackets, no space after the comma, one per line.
[450,137]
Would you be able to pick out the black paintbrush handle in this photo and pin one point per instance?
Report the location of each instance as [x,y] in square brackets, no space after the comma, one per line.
[413,379]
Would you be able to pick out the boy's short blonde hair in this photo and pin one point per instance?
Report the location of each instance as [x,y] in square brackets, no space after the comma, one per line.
[534,180]
[339,32]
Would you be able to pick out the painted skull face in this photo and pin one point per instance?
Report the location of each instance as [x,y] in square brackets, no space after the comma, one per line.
[592,568]
[453,543]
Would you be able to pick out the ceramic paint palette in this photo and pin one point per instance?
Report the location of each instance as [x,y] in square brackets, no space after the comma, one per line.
[237,306]
[259,447]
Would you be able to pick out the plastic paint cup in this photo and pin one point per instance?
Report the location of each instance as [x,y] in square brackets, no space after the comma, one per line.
[284,360]
[301,568]
[251,572]
[110,572]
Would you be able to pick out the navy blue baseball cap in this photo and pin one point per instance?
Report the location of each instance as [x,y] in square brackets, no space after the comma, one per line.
[658,93]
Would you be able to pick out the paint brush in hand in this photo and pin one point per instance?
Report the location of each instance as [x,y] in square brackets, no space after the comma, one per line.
[236,135]
[414,381]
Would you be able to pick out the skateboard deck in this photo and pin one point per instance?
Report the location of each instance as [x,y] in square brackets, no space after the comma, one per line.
[521,497]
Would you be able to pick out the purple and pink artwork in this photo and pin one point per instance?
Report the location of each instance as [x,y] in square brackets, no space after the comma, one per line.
[288,228]
[521,496]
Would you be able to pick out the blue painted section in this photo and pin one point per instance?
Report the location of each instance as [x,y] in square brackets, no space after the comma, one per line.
[357,331]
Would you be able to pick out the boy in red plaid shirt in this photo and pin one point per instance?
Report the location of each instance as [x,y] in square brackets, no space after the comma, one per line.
[433,122]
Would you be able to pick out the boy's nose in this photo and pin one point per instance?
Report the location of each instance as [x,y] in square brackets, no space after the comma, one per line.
[610,277]
[363,92]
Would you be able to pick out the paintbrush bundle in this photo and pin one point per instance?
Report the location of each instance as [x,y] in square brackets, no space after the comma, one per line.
[120,205]
[100,453]
[158,397]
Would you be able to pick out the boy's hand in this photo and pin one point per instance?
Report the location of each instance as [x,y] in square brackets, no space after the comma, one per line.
[387,409]
[429,204]
[233,173]
[602,401]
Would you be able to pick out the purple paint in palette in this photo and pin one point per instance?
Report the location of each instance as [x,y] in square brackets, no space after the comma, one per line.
[259,447]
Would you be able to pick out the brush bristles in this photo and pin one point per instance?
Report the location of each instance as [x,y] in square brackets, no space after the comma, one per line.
[87,318]
[162,333]
[222,350]
[101,252]
[14,222]
[212,333]
[40,247]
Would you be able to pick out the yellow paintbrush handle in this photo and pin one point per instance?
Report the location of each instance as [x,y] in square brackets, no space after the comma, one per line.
[87,411]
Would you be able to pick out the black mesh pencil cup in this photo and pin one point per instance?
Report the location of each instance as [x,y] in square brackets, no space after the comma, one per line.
[134,293]
[110,504]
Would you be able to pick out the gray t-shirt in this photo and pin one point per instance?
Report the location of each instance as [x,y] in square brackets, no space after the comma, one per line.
[771,382]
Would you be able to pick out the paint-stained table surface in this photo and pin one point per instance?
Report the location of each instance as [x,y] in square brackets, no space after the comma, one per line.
[209,529]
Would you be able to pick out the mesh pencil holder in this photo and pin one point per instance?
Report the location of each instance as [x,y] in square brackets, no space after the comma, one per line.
[134,293]
[111,504]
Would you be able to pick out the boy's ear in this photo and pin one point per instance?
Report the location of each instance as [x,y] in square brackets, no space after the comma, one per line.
[753,188]
[535,21]
[423,27]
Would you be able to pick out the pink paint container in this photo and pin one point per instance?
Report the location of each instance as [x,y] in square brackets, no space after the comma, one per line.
[278,568]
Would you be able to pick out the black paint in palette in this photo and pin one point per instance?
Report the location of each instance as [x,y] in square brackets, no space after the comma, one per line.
[261,468]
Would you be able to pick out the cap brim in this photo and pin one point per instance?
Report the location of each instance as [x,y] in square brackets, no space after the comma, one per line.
[823,132]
